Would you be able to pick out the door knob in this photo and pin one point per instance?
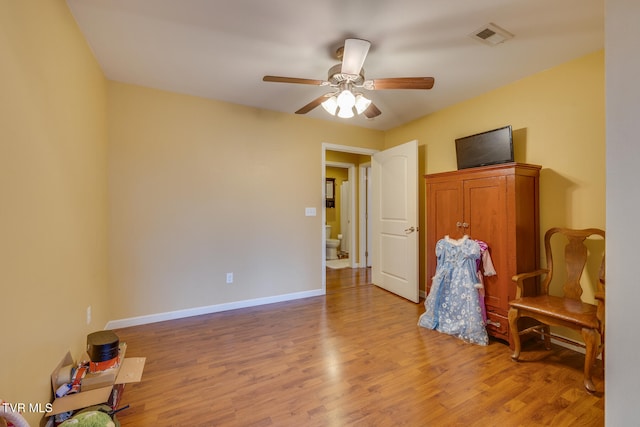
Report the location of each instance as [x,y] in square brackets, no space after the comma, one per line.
[409,230]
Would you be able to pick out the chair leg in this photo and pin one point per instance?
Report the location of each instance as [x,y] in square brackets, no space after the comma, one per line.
[514,315]
[592,342]
[601,350]
[547,336]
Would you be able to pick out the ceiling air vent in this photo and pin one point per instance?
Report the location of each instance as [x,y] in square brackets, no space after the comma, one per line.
[491,34]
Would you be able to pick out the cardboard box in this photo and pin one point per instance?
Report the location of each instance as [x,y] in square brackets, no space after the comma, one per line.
[99,385]
[93,380]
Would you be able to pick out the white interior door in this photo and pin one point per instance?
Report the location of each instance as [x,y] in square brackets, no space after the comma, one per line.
[394,220]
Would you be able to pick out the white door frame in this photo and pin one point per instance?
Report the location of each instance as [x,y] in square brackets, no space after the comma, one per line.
[326,146]
[364,200]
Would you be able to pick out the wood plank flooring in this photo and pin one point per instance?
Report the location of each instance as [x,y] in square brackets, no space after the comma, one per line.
[354,357]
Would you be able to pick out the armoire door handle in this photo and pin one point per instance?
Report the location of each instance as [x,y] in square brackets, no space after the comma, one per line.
[492,323]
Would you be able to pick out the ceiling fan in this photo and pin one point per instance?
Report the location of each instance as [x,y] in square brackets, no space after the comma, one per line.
[347,78]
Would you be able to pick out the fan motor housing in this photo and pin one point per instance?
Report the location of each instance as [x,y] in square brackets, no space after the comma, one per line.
[336,76]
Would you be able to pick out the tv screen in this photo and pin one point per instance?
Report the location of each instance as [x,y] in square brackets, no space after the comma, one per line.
[487,148]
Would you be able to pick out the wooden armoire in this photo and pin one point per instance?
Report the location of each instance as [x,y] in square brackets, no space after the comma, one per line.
[498,205]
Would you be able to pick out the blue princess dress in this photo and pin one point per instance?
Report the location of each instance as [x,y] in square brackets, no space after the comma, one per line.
[452,306]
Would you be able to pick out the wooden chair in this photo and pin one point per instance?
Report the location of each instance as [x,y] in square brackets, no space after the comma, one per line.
[567,310]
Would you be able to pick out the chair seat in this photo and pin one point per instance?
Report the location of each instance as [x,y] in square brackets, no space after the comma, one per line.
[565,309]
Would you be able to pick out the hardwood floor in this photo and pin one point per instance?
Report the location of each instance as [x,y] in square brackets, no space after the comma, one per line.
[354,357]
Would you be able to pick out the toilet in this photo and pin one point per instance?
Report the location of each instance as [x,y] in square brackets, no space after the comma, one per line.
[331,244]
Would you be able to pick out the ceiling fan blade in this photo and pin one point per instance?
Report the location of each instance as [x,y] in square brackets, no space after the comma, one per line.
[403,83]
[372,111]
[313,104]
[355,52]
[278,79]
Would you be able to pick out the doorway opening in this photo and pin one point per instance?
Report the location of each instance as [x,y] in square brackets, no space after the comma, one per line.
[357,162]
[340,216]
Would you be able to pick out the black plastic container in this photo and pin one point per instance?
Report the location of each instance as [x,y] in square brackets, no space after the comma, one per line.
[102,346]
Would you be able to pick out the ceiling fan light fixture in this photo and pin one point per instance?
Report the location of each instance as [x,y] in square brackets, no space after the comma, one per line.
[361,103]
[345,113]
[330,105]
[346,100]
[346,104]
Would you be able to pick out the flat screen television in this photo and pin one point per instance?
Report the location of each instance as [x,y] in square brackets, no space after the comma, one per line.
[487,148]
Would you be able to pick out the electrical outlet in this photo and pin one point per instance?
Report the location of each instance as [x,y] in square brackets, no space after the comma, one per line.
[88,315]
[229,277]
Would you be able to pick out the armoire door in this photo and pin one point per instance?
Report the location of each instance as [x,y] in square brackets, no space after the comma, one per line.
[445,213]
[485,210]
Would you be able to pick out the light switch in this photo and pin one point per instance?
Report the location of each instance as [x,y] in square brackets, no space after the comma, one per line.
[309,211]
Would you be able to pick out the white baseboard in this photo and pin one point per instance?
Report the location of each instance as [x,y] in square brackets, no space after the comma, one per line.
[573,347]
[197,311]
[569,346]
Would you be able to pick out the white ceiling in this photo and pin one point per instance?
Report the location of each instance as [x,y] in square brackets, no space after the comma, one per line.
[221,49]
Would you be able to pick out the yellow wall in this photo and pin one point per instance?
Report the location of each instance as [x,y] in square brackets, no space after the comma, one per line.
[199,188]
[558,122]
[53,188]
